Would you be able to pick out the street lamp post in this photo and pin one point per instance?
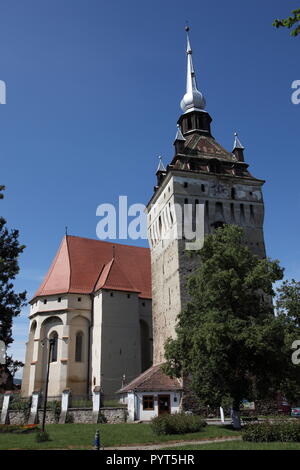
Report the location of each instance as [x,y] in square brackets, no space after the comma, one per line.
[51,344]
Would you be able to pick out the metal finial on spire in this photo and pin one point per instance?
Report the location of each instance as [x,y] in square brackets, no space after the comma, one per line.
[161,166]
[237,144]
[193,98]
[66,231]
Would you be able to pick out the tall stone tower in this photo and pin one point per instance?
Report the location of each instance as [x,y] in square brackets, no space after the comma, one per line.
[201,174]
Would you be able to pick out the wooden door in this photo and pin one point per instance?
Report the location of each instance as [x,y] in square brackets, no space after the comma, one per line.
[164,404]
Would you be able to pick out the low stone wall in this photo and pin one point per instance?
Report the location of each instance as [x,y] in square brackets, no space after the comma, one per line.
[74,415]
[79,415]
[16,417]
[112,415]
[50,418]
[115,415]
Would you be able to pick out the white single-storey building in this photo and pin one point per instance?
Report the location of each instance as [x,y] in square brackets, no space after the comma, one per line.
[151,394]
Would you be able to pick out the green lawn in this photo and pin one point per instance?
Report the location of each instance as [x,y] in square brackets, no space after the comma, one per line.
[81,436]
[240,445]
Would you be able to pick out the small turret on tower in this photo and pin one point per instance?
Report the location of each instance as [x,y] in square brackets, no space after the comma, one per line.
[160,172]
[238,149]
[179,140]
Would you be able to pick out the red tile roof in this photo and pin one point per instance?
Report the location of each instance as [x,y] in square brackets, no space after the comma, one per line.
[152,379]
[83,265]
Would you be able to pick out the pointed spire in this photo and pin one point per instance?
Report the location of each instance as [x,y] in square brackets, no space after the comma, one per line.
[238,149]
[161,166]
[237,144]
[179,140]
[160,173]
[179,135]
[193,98]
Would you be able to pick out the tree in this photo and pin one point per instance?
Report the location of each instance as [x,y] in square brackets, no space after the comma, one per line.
[229,342]
[287,305]
[11,302]
[289,22]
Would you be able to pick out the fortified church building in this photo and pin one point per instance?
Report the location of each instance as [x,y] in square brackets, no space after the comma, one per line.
[108,332]
[96,302]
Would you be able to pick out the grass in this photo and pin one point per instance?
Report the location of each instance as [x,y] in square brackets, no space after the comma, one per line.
[81,436]
[240,445]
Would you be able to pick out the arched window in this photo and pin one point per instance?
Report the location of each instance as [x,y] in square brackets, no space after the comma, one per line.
[78,347]
[54,337]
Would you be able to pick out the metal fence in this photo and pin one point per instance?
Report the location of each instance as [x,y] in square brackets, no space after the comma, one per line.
[19,403]
[52,401]
[81,401]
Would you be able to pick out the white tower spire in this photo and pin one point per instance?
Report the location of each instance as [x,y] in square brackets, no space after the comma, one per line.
[193,98]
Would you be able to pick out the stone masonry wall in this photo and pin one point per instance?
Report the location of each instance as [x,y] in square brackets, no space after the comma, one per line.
[113,416]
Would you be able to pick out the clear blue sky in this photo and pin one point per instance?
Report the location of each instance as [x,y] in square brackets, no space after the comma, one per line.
[93,93]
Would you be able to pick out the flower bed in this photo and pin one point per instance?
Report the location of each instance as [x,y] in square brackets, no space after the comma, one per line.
[9,428]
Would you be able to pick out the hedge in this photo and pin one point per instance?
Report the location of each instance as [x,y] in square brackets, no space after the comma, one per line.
[284,431]
[178,423]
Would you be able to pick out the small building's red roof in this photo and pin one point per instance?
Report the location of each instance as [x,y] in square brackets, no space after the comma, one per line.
[83,265]
[153,380]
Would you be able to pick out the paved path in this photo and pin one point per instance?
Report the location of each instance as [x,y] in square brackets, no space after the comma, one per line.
[163,445]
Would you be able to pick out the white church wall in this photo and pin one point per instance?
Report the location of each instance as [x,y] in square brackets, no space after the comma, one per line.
[120,339]
[78,364]
[96,341]
[52,303]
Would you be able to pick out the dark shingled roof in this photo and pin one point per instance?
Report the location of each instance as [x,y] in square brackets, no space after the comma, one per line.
[153,379]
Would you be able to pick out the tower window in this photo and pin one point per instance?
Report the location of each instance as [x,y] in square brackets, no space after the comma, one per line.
[79,299]
[189,123]
[45,301]
[232,193]
[111,294]
[78,347]
[59,299]
[185,184]
[128,296]
[203,187]
[196,201]
[186,201]
[54,337]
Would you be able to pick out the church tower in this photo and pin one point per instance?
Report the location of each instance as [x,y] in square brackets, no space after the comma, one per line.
[202,174]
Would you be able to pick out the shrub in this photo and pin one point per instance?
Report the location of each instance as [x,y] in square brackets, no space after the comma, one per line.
[284,431]
[42,436]
[178,423]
